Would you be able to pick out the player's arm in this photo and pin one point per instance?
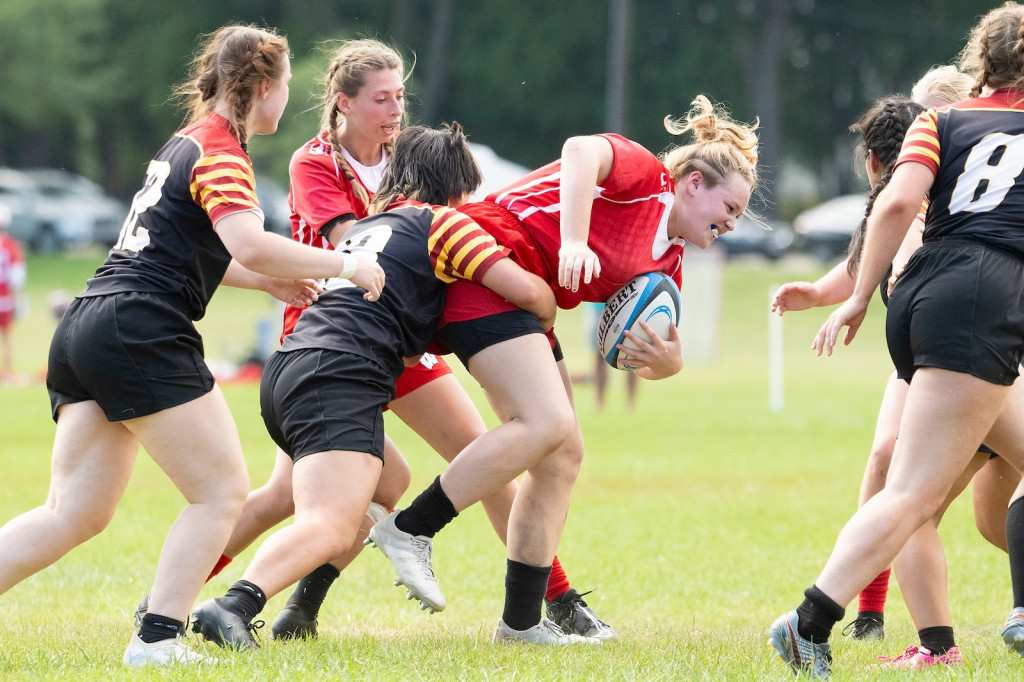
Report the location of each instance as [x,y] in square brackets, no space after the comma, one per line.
[888,224]
[270,254]
[335,231]
[833,287]
[523,289]
[294,292]
[586,161]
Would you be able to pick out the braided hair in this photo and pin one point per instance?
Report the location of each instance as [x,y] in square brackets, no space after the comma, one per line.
[347,74]
[994,53]
[228,67]
[882,129]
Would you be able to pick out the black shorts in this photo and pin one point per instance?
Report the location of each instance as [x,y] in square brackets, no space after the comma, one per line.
[316,400]
[469,337]
[959,306]
[992,454]
[134,353]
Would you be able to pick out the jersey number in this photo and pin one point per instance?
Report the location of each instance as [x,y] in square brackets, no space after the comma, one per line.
[990,171]
[135,237]
[368,242]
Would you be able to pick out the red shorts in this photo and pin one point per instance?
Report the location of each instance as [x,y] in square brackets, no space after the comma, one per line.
[429,367]
[6,318]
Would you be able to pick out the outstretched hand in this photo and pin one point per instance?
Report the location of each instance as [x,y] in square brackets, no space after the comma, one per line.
[850,314]
[795,296]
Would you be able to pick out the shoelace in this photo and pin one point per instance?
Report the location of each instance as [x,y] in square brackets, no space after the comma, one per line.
[578,605]
[854,625]
[253,627]
[905,656]
[552,627]
[422,550]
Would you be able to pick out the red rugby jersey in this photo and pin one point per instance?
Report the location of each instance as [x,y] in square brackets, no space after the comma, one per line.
[628,223]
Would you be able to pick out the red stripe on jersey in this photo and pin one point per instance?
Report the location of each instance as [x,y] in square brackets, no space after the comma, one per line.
[459,248]
[223,184]
[921,143]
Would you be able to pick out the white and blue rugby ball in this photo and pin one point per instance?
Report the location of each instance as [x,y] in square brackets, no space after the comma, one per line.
[652,298]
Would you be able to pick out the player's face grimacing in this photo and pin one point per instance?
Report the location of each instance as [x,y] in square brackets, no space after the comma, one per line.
[702,213]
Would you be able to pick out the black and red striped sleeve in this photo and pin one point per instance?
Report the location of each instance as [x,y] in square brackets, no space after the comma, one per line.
[459,248]
[224,184]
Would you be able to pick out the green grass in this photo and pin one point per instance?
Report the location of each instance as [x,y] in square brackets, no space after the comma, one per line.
[699,517]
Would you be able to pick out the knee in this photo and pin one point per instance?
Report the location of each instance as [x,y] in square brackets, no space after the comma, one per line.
[85,525]
[333,537]
[880,458]
[554,429]
[235,491]
[564,463]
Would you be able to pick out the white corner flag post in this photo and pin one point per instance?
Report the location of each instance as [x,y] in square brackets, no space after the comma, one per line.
[775,393]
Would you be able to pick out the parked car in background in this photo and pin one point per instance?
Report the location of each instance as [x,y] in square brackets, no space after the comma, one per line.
[824,231]
[18,193]
[73,211]
[277,216]
[769,238]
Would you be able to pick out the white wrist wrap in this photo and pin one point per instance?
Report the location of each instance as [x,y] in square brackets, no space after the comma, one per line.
[349,267]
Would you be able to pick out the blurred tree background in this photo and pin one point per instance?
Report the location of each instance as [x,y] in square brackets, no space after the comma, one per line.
[86,83]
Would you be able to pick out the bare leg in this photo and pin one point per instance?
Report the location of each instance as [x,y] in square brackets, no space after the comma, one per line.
[272,503]
[6,361]
[91,465]
[525,386]
[947,414]
[332,491]
[921,565]
[528,393]
[461,425]
[993,488]
[601,380]
[197,446]
[886,429]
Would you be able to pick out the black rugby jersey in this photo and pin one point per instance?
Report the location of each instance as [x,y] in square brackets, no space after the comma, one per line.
[167,243]
[421,249]
[975,148]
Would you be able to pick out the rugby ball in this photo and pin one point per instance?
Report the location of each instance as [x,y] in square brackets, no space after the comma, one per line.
[652,298]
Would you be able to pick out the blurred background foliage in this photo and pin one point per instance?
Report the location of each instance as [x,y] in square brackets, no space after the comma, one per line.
[86,83]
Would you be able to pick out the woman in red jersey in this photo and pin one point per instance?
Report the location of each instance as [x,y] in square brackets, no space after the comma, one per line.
[126,364]
[954,329]
[607,211]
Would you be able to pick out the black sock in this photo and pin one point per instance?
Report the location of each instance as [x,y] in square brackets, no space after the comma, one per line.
[937,640]
[818,615]
[244,599]
[311,591]
[157,628]
[429,512]
[525,587]
[1015,542]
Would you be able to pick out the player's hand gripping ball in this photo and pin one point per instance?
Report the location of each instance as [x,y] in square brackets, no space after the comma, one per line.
[652,298]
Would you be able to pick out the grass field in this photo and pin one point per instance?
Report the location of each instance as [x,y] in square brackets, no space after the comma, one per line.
[699,517]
